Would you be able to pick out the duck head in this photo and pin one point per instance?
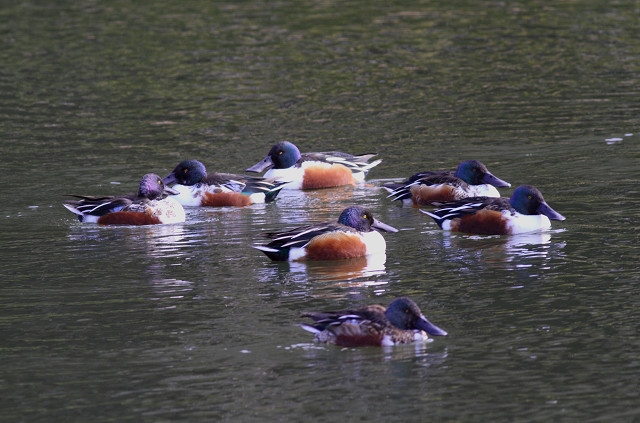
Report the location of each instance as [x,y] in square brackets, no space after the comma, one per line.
[528,200]
[188,172]
[361,219]
[405,314]
[474,172]
[282,155]
[152,187]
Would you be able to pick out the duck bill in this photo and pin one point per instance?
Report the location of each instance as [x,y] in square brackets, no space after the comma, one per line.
[169,180]
[429,327]
[549,212]
[382,226]
[170,191]
[262,165]
[491,179]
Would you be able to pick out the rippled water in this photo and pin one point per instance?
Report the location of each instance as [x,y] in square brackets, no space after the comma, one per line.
[188,322]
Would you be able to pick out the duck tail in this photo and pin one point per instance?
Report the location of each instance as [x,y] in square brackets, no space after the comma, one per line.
[273,253]
[271,195]
[439,219]
[269,187]
[402,192]
[368,166]
[392,186]
[74,210]
[314,330]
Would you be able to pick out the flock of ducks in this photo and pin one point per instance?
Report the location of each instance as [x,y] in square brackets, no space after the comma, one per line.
[467,200]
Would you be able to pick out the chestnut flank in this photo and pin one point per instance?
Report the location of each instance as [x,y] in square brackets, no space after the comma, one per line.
[335,246]
[484,222]
[324,177]
[424,195]
[128,218]
[222,199]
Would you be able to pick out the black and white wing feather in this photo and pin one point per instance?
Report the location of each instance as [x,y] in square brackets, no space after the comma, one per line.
[299,237]
[403,191]
[97,206]
[355,163]
[462,208]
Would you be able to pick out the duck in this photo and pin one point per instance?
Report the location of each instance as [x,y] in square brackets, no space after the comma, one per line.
[525,211]
[147,207]
[470,179]
[373,325]
[197,188]
[313,170]
[353,235]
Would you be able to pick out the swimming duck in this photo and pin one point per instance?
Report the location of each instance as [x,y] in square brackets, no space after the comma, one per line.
[354,235]
[147,207]
[313,170]
[373,325]
[197,188]
[470,179]
[525,211]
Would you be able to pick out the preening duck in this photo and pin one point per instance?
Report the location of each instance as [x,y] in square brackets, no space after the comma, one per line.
[147,207]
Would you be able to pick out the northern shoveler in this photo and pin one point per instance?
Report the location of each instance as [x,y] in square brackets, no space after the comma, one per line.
[470,179]
[374,325]
[352,236]
[147,207]
[198,188]
[525,211]
[313,170]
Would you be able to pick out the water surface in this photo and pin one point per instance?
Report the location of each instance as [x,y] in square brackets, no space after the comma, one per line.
[188,322]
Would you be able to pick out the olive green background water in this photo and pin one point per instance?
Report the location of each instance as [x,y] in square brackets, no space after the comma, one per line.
[188,323]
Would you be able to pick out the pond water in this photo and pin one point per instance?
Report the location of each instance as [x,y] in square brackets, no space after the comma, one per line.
[189,323]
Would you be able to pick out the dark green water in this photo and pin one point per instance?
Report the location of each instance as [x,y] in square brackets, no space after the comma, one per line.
[188,323]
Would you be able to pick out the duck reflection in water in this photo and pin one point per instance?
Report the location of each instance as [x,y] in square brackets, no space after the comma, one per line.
[337,279]
[516,252]
[338,270]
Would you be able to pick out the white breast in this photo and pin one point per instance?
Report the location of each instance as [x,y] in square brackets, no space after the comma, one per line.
[484,190]
[168,210]
[293,174]
[521,223]
[191,196]
[375,242]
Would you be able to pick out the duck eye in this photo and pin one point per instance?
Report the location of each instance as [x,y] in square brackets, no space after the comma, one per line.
[282,152]
[529,197]
[364,216]
[406,310]
[186,170]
